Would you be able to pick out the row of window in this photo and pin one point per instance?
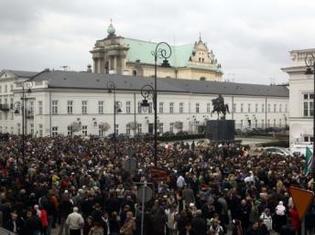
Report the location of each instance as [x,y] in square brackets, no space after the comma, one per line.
[161,107]
[257,109]
[129,130]
[6,88]
[255,124]
[84,129]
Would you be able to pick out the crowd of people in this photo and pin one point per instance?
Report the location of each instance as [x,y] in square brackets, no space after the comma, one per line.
[74,185]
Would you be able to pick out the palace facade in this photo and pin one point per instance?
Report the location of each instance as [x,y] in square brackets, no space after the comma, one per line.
[79,103]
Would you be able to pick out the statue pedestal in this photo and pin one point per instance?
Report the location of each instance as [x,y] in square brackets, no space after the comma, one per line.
[220,130]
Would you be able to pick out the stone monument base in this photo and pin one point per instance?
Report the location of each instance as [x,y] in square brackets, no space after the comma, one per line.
[220,130]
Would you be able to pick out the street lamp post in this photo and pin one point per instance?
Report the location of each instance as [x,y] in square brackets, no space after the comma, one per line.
[112,89]
[28,85]
[163,51]
[310,70]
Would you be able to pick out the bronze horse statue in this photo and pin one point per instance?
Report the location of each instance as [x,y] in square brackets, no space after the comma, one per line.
[220,107]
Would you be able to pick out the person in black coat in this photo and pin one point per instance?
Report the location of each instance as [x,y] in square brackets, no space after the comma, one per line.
[198,224]
[14,224]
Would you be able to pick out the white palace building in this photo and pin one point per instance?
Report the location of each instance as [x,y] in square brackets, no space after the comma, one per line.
[56,101]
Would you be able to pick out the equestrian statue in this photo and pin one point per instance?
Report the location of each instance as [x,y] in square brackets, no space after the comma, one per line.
[219,107]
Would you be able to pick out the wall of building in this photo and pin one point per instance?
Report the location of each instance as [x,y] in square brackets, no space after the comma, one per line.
[301,125]
[300,84]
[43,123]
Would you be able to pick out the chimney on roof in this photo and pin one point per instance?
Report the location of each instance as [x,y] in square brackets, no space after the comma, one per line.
[89,68]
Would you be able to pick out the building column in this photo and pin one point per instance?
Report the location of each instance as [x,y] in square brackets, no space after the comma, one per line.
[100,69]
[115,64]
[95,65]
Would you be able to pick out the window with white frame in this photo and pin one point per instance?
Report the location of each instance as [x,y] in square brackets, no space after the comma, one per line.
[161,128]
[269,108]
[69,130]
[32,129]
[161,110]
[242,124]
[197,107]
[234,107]
[242,108]
[172,127]
[5,88]
[84,130]
[280,108]
[100,107]
[11,87]
[285,108]
[171,107]
[248,108]
[308,138]
[274,123]
[263,108]
[308,105]
[268,123]
[128,107]
[139,107]
[40,130]
[280,123]
[208,108]
[181,107]
[54,107]
[19,128]
[11,103]
[262,123]
[31,108]
[139,128]
[150,107]
[275,108]
[84,107]
[128,129]
[70,106]
[40,107]
[54,131]
[256,108]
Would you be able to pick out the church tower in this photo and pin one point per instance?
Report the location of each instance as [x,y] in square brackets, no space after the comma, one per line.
[109,54]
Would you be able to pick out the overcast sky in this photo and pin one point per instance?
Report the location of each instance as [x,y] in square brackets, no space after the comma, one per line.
[250,38]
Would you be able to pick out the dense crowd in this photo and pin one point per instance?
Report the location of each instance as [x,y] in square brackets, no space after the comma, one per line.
[80,186]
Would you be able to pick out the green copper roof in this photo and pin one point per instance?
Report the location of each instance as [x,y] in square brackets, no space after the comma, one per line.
[142,50]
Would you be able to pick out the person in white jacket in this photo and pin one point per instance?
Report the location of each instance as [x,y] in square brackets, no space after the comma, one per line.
[75,222]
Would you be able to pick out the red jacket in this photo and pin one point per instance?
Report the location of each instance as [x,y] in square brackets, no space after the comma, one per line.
[295,220]
[43,218]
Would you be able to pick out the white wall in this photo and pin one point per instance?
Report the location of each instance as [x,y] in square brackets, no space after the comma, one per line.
[189,117]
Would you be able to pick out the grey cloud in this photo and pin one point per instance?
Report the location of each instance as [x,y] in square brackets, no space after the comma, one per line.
[250,38]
